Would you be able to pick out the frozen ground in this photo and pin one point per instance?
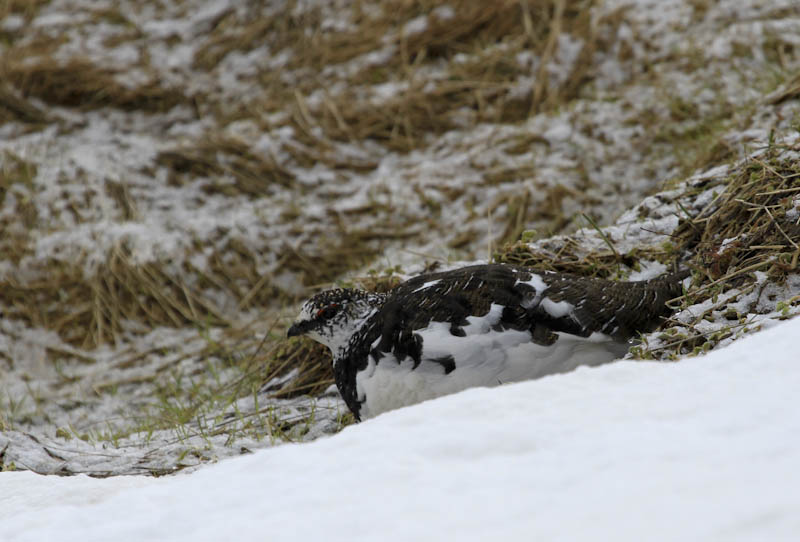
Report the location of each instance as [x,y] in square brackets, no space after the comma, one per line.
[174,175]
[706,449]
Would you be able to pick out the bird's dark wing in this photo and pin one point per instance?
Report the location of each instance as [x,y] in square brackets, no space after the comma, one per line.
[541,302]
[618,309]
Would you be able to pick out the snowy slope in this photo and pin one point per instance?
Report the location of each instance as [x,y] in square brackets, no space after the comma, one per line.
[705,449]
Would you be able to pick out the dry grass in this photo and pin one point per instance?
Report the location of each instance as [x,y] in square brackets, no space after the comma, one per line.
[567,256]
[788,91]
[88,312]
[458,71]
[225,157]
[81,84]
[14,237]
[312,361]
[473,48]
[751,214]
[322,265]
[14,170]
[479,88]
[745,230]
[194,401]
[26,8]
[15,108]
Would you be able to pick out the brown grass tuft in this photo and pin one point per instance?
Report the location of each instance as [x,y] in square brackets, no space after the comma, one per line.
[82,84]
[15,235]
[485,83]
[218,156]
[482,86]
[566,255]
[319,266]
[751,226]
[750,218]
[788,91]
[26,8]
[14,108]
[313,363]
[88,312]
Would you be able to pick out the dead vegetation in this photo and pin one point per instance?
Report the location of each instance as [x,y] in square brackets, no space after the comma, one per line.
[400,47]
[79,83]
[219,158]
[744,244]
[319,268]
[14,237]
[480,45]
[90,312]
[276,370]
[788,91]
[751,214]
[15,108]
[122,295]
[750,227]
[568,256]
[312,361]
[26,8]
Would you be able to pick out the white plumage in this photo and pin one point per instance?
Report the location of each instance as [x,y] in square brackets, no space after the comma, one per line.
[483,358]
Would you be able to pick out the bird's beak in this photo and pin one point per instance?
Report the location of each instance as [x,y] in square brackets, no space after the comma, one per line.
[298,328]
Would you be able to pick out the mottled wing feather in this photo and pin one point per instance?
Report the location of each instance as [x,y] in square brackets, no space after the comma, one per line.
[452,296]
[617,309]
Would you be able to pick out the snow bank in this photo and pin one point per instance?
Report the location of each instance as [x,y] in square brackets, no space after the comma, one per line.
[708,449]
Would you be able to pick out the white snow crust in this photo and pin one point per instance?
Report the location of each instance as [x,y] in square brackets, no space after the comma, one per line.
[705,449]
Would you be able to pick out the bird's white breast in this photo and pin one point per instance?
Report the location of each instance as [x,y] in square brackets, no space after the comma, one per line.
[484,357]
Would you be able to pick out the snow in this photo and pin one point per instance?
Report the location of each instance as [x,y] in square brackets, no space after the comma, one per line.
[12,23]
[704,449]
[648,270]
[416,25]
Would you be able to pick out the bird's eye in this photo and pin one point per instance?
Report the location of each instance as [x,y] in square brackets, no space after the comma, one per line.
[328,312]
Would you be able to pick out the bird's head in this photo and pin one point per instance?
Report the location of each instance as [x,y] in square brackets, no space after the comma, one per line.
[333,316]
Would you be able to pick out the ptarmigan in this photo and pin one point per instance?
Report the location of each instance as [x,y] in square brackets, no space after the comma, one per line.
[481,325]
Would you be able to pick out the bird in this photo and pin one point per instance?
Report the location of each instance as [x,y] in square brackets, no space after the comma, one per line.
[480,325]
